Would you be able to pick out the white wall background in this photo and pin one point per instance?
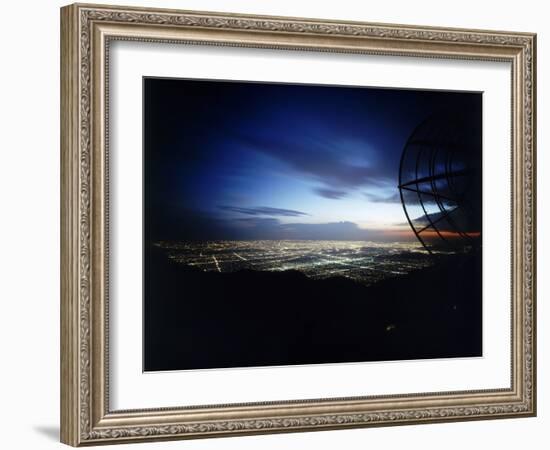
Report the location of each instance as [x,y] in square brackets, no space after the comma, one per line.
[29,224]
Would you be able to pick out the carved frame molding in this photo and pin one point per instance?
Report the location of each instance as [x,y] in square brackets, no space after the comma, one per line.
[86,31]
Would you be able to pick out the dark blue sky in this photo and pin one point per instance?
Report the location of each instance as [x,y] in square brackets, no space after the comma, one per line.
[237,160]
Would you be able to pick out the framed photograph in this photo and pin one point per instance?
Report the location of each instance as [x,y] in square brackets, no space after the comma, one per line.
[275,224]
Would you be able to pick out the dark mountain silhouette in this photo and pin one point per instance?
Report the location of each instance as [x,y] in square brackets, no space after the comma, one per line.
[196,319]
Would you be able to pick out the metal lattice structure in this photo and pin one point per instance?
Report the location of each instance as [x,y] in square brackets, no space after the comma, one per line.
[440,181]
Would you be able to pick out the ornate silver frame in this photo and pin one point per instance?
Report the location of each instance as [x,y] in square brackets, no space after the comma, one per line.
[86,31]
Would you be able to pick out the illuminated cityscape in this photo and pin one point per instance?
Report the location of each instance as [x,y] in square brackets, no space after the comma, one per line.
[363,262]
[309,224]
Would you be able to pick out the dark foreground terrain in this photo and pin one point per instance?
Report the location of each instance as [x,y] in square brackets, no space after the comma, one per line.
[198,320]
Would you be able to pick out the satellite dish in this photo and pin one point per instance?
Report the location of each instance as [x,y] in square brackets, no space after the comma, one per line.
[440,181]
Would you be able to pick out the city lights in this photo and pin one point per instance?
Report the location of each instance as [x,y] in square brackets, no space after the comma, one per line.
[364,262]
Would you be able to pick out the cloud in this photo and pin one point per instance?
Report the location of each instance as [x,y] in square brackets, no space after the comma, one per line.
[423,221]
[264,211]
[326,161]
[269,228]
[455,220]
[326,231]
[377,198]
[333,194]
[266,228]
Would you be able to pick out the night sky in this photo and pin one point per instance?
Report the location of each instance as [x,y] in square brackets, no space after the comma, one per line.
[239,160]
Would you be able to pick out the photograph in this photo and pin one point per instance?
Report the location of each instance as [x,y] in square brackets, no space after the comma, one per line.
[293,224]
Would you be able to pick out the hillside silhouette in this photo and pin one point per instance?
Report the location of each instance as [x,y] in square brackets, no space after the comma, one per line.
[195,319]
